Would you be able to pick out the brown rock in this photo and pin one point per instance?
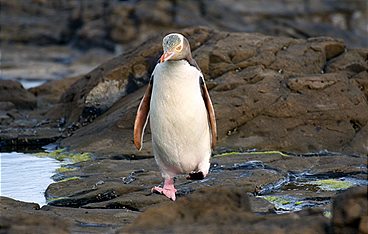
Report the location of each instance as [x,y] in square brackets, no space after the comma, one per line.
[19,217]
[353,60]
[219,210]
[203,207]
[115,182]
[350,211]
[362,80]
[45,27]
[50,92]
[90,23]
[12,91]
[268,93]
[363,226]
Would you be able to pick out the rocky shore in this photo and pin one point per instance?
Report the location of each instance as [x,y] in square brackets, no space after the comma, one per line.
[270,93]
[291,108]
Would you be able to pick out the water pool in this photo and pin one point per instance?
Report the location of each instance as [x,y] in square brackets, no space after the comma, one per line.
[25,177]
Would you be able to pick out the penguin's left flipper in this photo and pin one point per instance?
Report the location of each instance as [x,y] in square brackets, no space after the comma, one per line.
[141,118]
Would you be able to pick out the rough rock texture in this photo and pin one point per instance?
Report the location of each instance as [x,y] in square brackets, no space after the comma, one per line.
[118,183]
[104,23]
[219,210]
[112,195]
[268,93]
[50,92]
[350,212]
[13,91]
[20,217]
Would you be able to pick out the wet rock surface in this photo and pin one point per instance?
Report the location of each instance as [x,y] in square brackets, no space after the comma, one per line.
[114,195]
[219,210]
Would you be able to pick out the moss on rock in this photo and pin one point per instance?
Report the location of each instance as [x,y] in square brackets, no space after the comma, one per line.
[63,155]
[332,184]
[251,153]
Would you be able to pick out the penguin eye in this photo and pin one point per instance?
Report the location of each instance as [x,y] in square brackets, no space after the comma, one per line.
[178,48]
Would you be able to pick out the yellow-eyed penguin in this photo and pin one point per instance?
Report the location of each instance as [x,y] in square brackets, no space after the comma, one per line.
[182,118]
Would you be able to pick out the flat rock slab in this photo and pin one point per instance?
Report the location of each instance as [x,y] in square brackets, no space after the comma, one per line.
[110,183]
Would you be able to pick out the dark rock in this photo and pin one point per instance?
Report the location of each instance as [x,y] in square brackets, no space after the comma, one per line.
[6,106]
[352,60]
[216,209]
[98,199]
[103,23]
[20,217]
[12,91]
[35,64]
[204,206]
[232,171]
[350,210]
[23,138]
[45,26]
[51,92]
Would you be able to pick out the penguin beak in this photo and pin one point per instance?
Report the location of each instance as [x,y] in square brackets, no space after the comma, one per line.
[166,56]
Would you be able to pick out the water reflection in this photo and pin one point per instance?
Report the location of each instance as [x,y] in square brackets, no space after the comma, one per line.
[25,177]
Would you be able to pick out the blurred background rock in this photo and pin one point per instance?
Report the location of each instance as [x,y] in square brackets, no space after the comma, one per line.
[53,39]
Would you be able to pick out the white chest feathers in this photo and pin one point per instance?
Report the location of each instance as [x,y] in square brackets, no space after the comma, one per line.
[178,117]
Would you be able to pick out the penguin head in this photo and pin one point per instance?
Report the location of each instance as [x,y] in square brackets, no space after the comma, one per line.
[176,47]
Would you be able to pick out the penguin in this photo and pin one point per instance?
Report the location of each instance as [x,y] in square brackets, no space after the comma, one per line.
[181,115]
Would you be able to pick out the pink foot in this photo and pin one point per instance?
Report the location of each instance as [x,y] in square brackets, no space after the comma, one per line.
[168,190]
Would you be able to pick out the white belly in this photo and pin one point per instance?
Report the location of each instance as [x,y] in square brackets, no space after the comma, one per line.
[178,119]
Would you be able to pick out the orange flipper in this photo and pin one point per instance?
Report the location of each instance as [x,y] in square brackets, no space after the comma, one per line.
[141,118]
[211,113]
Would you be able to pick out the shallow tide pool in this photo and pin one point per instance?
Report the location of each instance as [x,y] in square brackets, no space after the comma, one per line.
[25,177]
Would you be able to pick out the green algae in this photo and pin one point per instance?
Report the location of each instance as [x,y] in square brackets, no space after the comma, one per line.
[69,179]
[327,214]
[332,184]
[284,203]
[52,199]
[267,152]
[63,169]
[80,157]
[276,200]
[251,153]
[63,155]
[228,154]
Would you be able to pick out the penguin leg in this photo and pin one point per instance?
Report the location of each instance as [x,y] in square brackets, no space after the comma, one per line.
[195,175]
[168,190]
[202,172]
